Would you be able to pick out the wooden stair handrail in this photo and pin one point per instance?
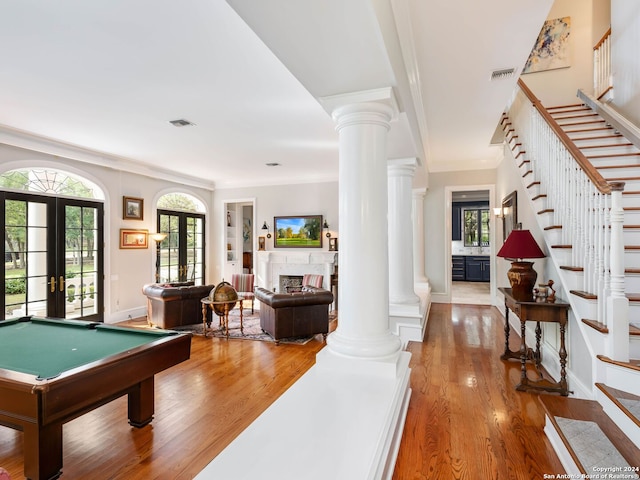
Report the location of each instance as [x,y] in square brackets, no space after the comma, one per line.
[603,39]
[598,180]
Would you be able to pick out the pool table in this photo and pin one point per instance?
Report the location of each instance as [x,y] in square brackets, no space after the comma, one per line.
[53,370]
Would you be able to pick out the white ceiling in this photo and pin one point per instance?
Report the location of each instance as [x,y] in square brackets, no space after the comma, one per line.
[107,76]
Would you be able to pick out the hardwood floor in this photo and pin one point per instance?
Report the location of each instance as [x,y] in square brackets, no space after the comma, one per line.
[465,420]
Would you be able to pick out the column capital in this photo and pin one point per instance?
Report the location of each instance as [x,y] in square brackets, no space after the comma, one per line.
[379,100]
[402,166]
[419,192]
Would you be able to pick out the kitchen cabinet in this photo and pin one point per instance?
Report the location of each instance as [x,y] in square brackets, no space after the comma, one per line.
[458,267]
[477,268]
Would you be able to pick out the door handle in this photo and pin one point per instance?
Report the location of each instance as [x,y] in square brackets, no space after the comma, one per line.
[52,284]
[61,283]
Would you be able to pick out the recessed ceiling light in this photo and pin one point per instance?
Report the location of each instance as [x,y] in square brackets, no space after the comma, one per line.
[272,164]
[181,122]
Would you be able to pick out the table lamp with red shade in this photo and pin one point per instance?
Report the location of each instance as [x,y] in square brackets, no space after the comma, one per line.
[519,245]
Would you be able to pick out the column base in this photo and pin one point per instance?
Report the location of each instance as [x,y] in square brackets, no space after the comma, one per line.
[379,348]
[409,322]
[357,418]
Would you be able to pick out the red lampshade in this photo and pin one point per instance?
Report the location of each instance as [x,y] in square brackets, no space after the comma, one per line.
[520,244]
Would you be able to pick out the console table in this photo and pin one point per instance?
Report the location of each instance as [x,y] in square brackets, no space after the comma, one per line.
[557,312]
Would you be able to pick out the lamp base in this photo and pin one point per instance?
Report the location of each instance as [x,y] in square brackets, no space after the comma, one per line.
[522,278]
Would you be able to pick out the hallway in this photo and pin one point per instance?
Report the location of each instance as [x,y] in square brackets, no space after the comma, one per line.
[465,418]
[471,293]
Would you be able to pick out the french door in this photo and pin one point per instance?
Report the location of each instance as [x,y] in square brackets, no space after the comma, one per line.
[181,253]
[53,257]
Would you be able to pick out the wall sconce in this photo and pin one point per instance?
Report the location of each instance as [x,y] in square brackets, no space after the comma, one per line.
[158,237]
[326,227]
[498,212]
[266,227]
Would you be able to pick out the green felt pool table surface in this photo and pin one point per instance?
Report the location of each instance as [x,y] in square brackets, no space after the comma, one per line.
[47,347]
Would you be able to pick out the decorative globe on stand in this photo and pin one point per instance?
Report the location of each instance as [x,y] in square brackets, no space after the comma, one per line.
[223,293]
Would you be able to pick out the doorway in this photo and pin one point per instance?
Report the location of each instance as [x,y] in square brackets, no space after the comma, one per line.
[53,257]
[470,245]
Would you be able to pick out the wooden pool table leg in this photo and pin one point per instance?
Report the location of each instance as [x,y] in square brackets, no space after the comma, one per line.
[140,401]
[42,451]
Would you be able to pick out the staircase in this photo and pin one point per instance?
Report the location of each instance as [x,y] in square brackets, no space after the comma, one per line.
[587,199]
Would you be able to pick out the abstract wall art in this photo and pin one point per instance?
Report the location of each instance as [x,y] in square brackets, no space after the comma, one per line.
[551,50]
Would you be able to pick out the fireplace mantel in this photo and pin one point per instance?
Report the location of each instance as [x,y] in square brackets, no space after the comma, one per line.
[272,264]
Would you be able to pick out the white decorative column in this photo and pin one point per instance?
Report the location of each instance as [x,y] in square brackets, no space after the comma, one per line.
[400,176]
[419,273]
[363,121]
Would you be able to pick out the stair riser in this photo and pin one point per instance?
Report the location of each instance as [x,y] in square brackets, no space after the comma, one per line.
[627,171]
[604,142]
[585,308]
[610,150]
[572,280]
[573,135]
[630,200]
[631,236]
[632,217]
[554,237]
[632,259]
[619,417]
[632,284]
[634,349]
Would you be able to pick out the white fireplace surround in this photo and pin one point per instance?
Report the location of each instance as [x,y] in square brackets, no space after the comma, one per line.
[272,264]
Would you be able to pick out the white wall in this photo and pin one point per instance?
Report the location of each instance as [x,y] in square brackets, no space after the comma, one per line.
[559,87]
[625,61]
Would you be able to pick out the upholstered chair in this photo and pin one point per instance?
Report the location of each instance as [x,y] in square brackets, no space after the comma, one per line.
[243,283]
[309,280]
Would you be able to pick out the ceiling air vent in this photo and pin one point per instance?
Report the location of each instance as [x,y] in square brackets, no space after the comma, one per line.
[502,74]
[181,123]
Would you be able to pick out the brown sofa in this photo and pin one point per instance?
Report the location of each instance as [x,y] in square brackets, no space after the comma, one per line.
[284,315]
[175,304]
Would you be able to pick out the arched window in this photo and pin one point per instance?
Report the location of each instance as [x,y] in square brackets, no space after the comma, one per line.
[54,230]
[180,255]
[51,182]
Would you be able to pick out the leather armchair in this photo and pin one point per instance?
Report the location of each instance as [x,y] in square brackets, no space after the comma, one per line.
[284,315]
[174,305]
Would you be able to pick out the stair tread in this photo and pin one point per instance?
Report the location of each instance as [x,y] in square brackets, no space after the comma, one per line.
[589,410]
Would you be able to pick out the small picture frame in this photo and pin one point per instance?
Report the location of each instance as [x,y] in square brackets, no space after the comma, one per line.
[333,244]
[132,208]
[261,243]
[134,238]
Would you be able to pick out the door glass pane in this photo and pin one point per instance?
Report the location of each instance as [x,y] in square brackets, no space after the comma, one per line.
[484,228]
[26,281]
[195,239]
[169,249]
[470,222]
[81,261]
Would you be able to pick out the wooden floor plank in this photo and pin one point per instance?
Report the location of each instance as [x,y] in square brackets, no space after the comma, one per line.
[465,419]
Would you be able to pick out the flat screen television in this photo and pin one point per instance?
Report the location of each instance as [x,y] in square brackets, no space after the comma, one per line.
[298,231]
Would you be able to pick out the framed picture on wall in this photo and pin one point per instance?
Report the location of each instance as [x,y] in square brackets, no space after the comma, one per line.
[132,208]
[509,214]
[134,238]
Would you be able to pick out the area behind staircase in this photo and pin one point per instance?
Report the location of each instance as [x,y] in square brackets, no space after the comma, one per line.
[600,436]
